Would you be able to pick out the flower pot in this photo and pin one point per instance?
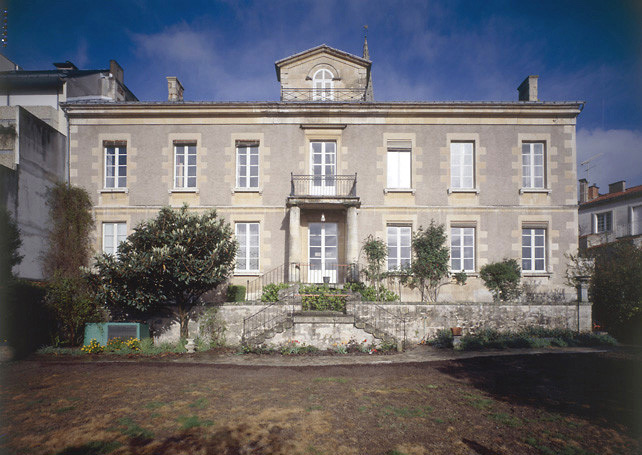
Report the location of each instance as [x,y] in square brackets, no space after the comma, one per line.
[190,345]
[456,331]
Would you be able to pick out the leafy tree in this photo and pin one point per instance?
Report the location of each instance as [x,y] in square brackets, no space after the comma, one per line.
[376,252]
[71,228]
[10,243]
[502,279]
[616,289]
[429,268]
[167,264]
[71,303]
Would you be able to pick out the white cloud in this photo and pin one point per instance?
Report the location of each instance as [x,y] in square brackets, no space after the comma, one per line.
[621,157]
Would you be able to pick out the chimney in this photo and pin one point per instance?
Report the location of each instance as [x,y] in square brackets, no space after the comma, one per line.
[65,66]
[593,192]
[617,187]
[528,89]
[583,191]
[174,89]
[117,71]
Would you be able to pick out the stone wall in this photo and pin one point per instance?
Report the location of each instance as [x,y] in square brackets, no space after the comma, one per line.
[421,321]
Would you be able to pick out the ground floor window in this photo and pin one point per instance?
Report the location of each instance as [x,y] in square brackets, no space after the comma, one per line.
[462,249]
[113,235]
[399,247]
[247,255]
[534,250]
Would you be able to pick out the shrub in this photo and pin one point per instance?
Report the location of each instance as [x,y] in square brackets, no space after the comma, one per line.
[502,279]
[371,294]
[429,268]
[271,292]
[443,339]
[211,329]
[93,347]
[321,298]
[235,293]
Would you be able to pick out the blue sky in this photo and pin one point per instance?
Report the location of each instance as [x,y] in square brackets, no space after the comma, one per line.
[421,50]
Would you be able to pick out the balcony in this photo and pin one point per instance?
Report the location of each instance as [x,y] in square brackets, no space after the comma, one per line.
[334,95]
[324,189]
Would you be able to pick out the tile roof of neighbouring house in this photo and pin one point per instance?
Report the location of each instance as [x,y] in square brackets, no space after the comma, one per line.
[610,196]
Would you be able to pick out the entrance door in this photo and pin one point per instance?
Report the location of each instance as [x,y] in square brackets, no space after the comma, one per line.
[323,252]
[323,163]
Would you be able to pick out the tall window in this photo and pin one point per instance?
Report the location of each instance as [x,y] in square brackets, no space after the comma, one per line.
[247,255]
[322,83]
[462,249]
[185,165]
[462,167]
[603,222]
[247,165]
[533,165]
[399,247]
[398,160]
[534,250]
[113,234]
[115,165]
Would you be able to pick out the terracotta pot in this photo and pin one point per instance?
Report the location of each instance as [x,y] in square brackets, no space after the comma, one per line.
[456,331]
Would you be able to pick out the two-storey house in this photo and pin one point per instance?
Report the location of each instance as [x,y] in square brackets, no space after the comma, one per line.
[305,179]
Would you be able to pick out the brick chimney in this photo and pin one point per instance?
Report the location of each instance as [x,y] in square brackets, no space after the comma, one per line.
[593,192]
[528,89]
[617,187]
[174,89]
[583,191]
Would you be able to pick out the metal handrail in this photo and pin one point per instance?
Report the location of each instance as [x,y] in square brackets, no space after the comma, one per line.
[399,325]
[327,95]
[324,185]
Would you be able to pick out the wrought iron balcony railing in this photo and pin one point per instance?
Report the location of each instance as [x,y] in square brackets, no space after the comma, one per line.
[324,186]
[323,95]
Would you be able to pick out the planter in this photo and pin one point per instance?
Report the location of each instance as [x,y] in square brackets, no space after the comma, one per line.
[190,345]
[456,331]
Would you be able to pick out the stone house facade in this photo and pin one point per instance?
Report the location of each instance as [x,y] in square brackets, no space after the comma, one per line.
[304,180]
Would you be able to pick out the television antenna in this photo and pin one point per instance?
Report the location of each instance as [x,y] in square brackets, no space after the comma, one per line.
[587,164]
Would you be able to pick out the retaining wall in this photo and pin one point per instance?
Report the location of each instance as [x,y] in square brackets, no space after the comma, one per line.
[421,321]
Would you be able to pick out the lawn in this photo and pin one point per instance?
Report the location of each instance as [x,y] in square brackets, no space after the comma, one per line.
[537,404]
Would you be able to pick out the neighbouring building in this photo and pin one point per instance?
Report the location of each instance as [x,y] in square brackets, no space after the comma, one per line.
[33,142]
[304,180]
[605,218]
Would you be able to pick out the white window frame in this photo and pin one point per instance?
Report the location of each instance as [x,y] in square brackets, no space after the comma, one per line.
[399,166]
[459,170]
[323,85]
[242,231]
[244,171]
[534,252]
[597,222]
[397,232]
[119,170]
[529,155]
[462,252]
[182,177]
[111,241]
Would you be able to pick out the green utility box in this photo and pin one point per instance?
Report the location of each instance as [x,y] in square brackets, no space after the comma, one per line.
[105,331]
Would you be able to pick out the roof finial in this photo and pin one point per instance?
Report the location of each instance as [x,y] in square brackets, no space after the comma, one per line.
[366,53]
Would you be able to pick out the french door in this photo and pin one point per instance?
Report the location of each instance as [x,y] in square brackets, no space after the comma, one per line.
[323,166]
[323,252]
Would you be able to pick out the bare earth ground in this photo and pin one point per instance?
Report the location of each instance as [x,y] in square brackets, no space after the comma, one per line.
[525,404]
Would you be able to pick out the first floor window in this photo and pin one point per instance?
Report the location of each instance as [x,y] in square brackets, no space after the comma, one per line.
[247,255]
[115,165]
[113,235]
[399,164]
[462,168]
[533,250]
[462,249]
[603,222]
[247,165]
[533,165]
[184,165]
[399,247]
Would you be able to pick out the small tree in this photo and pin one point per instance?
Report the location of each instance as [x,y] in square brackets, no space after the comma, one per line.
[71,227]
[167,264]
[376,252]
[429,268]
[502,279]
[616,289]
[10,243]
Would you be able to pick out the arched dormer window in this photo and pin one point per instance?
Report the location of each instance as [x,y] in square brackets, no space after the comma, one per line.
[322,86]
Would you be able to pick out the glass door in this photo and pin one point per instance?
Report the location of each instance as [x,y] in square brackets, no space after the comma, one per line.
[323,163]
[323,251]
